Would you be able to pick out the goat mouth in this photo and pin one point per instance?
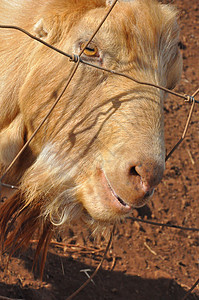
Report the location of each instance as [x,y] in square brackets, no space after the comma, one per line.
[116,196]
[123,205]
[115,201]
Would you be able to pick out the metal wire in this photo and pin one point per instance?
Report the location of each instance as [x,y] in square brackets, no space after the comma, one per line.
[74,58]
[77,59]
[163,224]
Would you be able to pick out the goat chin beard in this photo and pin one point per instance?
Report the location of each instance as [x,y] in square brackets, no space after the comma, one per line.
[64,210]
[49,185]
[62,213]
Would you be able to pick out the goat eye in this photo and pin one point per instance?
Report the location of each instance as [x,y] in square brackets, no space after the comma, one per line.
[90,50]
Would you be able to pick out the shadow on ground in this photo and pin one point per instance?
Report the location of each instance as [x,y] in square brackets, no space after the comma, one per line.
[107,285]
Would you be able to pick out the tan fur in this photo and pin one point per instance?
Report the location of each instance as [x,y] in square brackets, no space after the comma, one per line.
[11,140]
[103,124]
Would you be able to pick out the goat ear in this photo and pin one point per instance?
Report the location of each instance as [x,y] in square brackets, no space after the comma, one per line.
[40,30]
[11,140]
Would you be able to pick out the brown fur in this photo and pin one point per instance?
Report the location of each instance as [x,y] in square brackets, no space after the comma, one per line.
[106,130]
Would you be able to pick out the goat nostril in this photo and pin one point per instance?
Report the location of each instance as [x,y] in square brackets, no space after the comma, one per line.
[133,171]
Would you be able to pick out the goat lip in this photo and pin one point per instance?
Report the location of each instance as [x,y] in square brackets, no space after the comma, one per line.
[120,203]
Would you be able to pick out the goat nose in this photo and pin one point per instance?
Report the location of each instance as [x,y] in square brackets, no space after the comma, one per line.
[134,181]
[149,172]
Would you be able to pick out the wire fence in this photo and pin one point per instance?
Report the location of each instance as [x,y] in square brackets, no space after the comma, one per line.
[77,60]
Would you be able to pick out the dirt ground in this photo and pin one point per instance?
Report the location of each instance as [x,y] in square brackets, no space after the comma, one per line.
[145,262]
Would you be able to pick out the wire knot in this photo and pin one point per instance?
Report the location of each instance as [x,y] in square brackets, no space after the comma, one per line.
[189,99]
[75,58]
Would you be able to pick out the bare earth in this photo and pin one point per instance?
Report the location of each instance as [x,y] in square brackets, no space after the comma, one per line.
[145,262]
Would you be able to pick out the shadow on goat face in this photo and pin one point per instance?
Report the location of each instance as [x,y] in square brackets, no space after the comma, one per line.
[101,153]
